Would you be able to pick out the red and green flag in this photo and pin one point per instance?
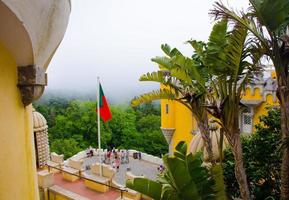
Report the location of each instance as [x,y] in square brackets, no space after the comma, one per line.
[104,110]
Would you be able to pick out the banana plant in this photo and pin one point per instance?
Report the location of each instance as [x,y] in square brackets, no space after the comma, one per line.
[184,178]
[268,23]
[184,80]
[231,66]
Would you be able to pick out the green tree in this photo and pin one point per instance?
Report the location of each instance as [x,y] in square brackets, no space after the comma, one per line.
[123,129]
[75,123]
[268,23]
[67,147]
[262,158]
[147,109]
[229,62]
[79,122]
[183,82]
[51,108]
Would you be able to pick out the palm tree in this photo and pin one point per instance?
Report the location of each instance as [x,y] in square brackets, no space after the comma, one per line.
[227,59]
[268,22]
[181,76]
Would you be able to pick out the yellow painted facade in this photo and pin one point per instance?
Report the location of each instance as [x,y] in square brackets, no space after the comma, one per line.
[17,158]
[27,44]
[256,97]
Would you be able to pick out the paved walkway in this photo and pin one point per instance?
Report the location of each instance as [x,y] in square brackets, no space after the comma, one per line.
[137,167]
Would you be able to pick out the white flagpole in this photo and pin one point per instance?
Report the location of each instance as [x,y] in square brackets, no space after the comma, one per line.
[98,124]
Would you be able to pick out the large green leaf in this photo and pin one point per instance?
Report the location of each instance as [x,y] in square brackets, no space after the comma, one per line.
[154,76]
[220,11]
[153,95]
[188,70]
[200,175]
[176,169]
[181,150]
[145,186]
[184,178]
[170,52]
[217,173]
[169,193]
[272,14]
[163,62]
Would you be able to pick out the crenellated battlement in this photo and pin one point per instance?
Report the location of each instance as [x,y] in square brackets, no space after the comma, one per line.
[261,90]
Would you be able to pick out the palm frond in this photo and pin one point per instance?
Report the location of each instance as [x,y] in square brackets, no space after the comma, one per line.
[272,14]
[189,67]
[220,11]
[154,77]
[153,95]
[170,52]
[163,62]
[235,50]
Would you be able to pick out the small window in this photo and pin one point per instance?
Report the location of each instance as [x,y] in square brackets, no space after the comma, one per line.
[167,108]
[247,119]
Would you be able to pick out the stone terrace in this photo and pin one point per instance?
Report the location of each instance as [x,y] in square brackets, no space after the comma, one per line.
[137,167]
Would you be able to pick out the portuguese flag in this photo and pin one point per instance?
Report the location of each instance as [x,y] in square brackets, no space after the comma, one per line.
[105,114]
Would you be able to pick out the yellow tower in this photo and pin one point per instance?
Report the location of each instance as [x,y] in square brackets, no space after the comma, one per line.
[177,123]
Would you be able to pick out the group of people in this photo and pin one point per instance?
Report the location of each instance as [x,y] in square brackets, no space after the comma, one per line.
[116,158]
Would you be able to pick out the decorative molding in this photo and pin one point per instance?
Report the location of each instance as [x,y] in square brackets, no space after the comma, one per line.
[41,139]
[31,83]
[168,134]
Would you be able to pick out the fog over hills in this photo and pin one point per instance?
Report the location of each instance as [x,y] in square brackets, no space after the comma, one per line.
[115,40]
[114,97]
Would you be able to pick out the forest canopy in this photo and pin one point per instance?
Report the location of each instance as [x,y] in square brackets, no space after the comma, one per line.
[72,127]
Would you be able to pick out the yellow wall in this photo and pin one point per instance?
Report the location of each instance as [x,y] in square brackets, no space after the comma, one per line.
[168,119]
[183,124]
[261,110]
[180,117]
[17,159]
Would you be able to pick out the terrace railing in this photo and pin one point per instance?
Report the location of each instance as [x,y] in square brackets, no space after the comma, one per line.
[121,190]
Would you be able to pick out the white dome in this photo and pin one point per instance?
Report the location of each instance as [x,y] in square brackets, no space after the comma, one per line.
[197,144]
[39,122]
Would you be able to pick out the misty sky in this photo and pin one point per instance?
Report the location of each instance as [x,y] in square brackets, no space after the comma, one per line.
[115,39]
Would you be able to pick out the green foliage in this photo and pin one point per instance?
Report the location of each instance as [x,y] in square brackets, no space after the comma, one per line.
[146,186]
[218,175]
[73,127]
[67,147]
[262,159]
[184,178]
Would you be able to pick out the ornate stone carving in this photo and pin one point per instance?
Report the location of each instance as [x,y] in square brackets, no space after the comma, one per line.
[40,130]
[31,82]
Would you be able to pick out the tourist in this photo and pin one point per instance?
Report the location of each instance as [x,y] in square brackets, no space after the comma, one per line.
[122,156]
[89,152]
[105,156]
[108,157]
[127,156]
[117,163]
[118,154]
[139,155]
